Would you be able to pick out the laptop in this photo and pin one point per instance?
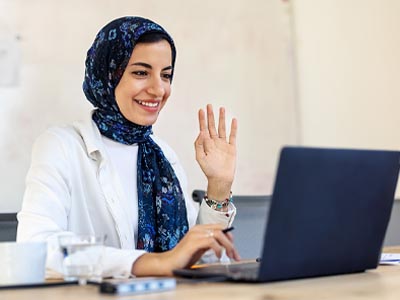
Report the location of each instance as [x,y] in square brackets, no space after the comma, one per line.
[329,213]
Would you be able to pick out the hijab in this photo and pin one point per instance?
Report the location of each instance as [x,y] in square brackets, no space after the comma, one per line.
[162,210]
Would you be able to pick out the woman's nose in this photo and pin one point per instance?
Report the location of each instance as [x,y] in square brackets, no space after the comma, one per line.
[156,88]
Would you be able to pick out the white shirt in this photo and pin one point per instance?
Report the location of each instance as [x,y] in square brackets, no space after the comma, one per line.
[124,158]
[73,187]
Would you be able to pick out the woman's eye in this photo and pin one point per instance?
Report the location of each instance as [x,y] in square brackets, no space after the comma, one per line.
[139,73]
[167,76]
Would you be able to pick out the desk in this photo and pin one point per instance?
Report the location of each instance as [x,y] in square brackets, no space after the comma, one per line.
[381,283]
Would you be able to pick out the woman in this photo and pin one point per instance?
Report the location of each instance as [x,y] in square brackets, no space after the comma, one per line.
[111,176]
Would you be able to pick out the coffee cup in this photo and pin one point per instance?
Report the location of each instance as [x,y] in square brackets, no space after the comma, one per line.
[22,263]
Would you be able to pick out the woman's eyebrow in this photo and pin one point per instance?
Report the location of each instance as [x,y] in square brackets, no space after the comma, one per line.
[142,64]
[147,66]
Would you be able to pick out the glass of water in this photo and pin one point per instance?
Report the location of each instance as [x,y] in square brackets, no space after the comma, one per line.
[82,255]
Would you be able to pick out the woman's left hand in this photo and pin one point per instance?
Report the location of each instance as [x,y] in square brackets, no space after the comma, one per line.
[215,153]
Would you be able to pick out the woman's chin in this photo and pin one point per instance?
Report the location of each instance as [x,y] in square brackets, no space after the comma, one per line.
[144,122]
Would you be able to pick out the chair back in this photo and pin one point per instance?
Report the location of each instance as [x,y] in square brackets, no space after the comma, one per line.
[249,222]
[8,227]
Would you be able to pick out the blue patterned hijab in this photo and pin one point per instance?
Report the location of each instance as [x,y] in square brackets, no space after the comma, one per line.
[162,210]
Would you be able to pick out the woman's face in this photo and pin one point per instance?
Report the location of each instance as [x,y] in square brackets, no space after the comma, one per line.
[146,83]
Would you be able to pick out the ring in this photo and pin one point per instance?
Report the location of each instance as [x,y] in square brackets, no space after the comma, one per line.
[210,233]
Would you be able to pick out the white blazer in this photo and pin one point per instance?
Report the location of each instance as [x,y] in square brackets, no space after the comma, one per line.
[72,188]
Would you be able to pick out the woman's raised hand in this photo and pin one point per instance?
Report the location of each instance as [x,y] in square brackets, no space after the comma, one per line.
[216,152]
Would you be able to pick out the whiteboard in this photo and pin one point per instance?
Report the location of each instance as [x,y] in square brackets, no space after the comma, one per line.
[231,53]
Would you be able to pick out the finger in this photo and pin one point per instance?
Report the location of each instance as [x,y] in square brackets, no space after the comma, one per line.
[225,242]
[210,236]
[196,257]
[236,255]
[201,245]
[199,147]
[221,124]
[229,236]
[232,135]
[216,247]
[211,121]
[202,120]
[205,239]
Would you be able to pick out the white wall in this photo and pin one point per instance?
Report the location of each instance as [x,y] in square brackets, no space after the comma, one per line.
[230,52]
[348,63]
[348,72]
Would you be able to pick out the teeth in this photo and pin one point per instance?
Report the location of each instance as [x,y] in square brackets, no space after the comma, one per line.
[149,104]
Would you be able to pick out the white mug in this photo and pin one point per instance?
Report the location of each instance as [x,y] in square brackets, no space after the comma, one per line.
[22,263]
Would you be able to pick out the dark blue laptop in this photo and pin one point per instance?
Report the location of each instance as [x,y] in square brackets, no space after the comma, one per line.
[329,213]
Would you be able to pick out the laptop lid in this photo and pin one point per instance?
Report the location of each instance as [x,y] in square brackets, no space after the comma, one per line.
[329,212]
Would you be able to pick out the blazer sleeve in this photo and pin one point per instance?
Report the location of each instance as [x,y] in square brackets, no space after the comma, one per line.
[46,203]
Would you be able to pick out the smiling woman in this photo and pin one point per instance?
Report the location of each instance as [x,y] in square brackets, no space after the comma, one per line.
[146,83]
[111,176]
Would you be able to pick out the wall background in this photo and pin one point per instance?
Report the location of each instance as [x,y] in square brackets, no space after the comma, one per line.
[348,71]
[232,53]
[319,73]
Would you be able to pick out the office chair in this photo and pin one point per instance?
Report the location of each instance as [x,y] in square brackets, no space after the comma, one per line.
[8,227]
[249,222]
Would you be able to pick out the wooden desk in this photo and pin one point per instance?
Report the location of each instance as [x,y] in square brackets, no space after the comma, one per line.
[382,283]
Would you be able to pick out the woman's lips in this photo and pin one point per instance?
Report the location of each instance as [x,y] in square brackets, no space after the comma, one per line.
[148,105]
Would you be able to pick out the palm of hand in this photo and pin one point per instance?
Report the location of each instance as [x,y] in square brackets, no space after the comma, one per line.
[217,159]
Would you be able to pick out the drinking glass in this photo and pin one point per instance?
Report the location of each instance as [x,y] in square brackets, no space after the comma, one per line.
[82,255]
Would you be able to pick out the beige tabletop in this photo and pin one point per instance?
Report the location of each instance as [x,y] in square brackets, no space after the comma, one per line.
[381,283]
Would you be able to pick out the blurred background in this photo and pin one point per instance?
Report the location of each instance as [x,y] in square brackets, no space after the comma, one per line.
[300,72]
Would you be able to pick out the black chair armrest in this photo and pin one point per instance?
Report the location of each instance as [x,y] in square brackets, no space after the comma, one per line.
[198,195]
